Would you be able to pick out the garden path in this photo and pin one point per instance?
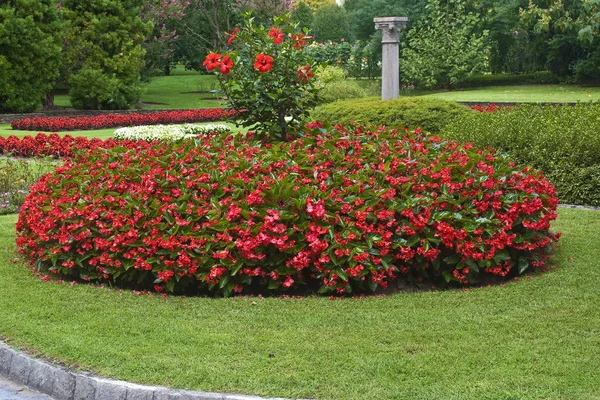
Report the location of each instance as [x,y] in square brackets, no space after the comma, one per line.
[13,391]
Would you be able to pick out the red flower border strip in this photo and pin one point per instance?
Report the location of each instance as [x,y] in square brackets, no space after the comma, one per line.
[57,124]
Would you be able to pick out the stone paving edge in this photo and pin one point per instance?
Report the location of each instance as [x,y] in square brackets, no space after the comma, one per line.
[63,384]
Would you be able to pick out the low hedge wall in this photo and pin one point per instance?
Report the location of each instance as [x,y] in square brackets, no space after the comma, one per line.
[428,114]
[562,141]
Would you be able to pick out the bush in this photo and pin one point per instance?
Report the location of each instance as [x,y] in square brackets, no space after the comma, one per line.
[344,90]
[150,133]
[562,141]
[428,114]
[540,77]
[338,211]
[335,85]
[57,124]
[93,89]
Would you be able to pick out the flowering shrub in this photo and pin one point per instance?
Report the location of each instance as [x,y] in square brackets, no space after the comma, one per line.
[57,124]
[268,74]
[151,133]
[344,210]
[57,146]
[488,108]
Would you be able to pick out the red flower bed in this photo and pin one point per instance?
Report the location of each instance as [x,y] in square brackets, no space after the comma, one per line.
[57,146]
[489,108]
[339,210]
[57,124]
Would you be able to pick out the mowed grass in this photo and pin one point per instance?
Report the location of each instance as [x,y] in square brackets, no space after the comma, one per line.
[536,338]
[6,131]
[180,90]
[522,93]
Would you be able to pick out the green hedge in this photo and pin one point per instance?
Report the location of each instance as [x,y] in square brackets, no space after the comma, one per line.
[562,141]
[540,77]
[426,113]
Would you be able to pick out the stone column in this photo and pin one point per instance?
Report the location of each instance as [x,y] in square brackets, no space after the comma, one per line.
[390,74]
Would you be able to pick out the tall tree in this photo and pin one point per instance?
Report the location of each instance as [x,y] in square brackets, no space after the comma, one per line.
[445,48]
[331,23]
[303,15]
[30,52]
[104,52]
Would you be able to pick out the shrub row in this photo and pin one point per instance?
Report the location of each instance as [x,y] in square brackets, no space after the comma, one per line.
[540,77]
[426,113]
[151,133]
[57,146]
[562,141]
[344,210]
[57,124]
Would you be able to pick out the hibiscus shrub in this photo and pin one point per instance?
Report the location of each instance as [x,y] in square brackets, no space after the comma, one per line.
[268,75]
[341,210]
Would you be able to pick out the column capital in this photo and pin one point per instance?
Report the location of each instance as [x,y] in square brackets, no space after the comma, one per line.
[391,27]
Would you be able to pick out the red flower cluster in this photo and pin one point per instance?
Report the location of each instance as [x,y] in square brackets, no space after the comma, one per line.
[57,146]
[215,60]
[489,108]
[304,74]
[344,210]
[276,35]
[232,36]
[263,63]
[57,124]
[299,40]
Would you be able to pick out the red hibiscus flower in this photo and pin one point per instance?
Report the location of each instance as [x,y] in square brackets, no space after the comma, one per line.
[232,36]
[304,74]
[226,65]
[264,63]
[213,60]
[276,35]
[299,40]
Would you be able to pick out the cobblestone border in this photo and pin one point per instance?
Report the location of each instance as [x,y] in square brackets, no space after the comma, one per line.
[63,384]
[590,208]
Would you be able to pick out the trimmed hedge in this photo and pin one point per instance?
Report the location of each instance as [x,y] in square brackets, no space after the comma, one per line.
[534,78]
[562,141]
[340,211]
[426,113]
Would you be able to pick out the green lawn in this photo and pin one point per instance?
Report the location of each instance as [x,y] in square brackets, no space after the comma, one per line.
[176,91]
[537,338]
[6,130]
[522,93]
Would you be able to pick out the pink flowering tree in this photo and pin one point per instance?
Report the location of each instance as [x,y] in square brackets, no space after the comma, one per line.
[164,15]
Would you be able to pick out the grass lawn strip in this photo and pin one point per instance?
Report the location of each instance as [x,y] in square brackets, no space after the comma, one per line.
[536,338]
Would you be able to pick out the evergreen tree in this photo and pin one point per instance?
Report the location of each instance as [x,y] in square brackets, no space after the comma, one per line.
[331,23]
[30,48]
[303,15]
[103,52]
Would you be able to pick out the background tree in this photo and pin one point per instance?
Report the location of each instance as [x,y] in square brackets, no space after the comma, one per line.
[264,10]
[104,52]
[30,48]
[303,16]
[160,43]
[316,4]
[444,49]
[331,23]
[571,30]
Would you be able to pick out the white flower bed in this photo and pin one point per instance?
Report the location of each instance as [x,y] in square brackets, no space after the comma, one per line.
[150,133]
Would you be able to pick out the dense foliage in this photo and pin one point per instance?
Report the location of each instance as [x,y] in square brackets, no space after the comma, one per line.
[268,76]
[331,23]
[428,114]
[30,51]
[562,141]
[336,86]
[444,49]
[57,124]
[103,53]
[16,176]
[339,211]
